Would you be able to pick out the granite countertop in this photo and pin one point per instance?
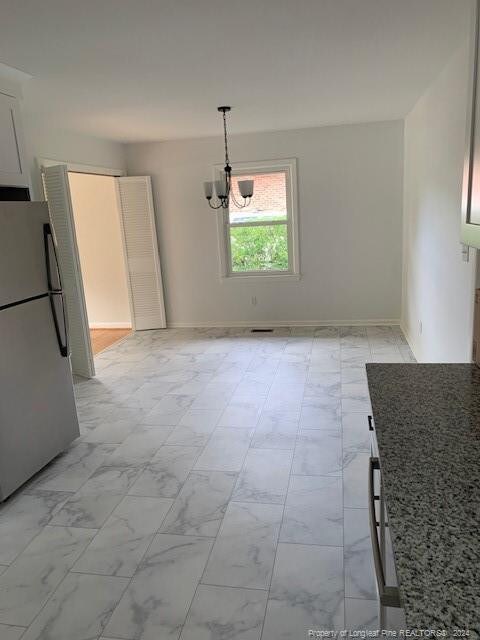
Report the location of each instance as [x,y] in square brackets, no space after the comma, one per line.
[427,424]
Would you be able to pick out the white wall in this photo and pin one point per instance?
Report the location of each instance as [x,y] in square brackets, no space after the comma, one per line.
[350,201]
[438,285]
[45,141]
[100,248]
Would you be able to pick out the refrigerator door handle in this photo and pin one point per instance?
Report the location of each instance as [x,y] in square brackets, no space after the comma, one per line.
[53,292]
[48,242]
[63,346]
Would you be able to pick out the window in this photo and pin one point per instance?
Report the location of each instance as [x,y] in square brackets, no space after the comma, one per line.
[261,239]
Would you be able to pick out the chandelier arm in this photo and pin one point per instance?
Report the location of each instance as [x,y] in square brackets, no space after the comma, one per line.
[230,192]
[240,205]
[212,206]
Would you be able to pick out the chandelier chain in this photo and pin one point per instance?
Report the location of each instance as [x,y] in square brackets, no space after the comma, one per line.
[227,159]
[224,186]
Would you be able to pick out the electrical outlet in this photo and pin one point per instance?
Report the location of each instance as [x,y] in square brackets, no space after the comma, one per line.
[254,301]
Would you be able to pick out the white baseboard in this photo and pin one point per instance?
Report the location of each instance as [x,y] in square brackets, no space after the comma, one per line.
[410,340]
[110,325]
[282,323]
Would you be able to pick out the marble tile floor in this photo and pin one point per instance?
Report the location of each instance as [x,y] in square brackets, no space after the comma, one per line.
[218,492]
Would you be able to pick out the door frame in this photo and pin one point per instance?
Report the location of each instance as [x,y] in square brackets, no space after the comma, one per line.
[75,167]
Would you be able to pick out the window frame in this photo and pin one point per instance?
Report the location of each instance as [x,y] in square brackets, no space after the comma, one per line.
[289,167]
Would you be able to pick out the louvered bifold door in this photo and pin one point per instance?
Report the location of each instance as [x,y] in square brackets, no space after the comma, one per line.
[57,191]
[142,260]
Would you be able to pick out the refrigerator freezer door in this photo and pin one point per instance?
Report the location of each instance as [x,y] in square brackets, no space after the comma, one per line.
[38,417]
[23,272]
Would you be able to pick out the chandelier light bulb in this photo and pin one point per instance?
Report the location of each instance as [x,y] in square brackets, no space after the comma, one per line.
[208,188]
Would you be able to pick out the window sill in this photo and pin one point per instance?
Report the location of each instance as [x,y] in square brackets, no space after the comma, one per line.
[261,277]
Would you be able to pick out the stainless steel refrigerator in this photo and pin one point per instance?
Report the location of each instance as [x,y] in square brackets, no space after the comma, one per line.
[38,418]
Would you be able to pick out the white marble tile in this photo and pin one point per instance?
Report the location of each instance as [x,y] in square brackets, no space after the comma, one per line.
[156,602]
[359,571]
[276,430]
[326,333]
[169,410]
[27,583]
[264,477]
[70,470]
[201,504]
[294,372]
[361,615]
[211,369]
[241,414]
[383,345]
[263,366]
[356,436]
[225,451]
[95,501]
[195,428]
[220,387]
[324,362]
[321,385]
[244,551]
[224,613]
[119,546]
[248,389]
[212,400]
[97,410]
[406,353]
[318,453]
[79,608]
[23,516]
[393,356]
[11,633]
[107,432]
[313,511]
[306,592]
[320,413]
[149,394]
[139,447]
[355,479]
[285,397]
[356,375]
[354,342]
[164,476]
[353,331]
[122,413]
[355,398]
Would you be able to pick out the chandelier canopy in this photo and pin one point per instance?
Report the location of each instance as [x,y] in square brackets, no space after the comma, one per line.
[223,186]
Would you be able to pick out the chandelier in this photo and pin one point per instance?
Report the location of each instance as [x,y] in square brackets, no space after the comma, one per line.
[223,186]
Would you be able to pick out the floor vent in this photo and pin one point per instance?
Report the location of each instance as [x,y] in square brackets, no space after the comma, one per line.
[261,330]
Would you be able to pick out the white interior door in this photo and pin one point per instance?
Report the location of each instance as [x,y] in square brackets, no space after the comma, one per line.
[137,218]
[57,191]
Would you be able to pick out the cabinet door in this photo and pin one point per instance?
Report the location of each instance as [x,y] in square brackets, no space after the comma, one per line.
[12,168]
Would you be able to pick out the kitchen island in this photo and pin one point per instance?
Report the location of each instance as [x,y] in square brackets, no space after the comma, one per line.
[427,428]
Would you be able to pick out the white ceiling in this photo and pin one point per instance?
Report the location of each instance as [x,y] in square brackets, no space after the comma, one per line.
[157,69]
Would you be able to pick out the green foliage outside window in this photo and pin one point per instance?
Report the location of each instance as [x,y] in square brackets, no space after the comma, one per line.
[259,248]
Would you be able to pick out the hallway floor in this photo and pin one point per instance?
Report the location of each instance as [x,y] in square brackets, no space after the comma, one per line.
[103,338]
[218,492]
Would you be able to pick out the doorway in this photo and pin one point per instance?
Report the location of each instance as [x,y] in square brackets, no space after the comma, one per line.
[136,217]
[102,260]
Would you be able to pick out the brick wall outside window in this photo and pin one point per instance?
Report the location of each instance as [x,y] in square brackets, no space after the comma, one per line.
[269,192]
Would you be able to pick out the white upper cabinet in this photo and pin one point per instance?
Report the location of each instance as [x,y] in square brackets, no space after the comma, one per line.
[13,170]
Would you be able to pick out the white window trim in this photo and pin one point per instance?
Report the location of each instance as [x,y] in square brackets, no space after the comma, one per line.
[289,165]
